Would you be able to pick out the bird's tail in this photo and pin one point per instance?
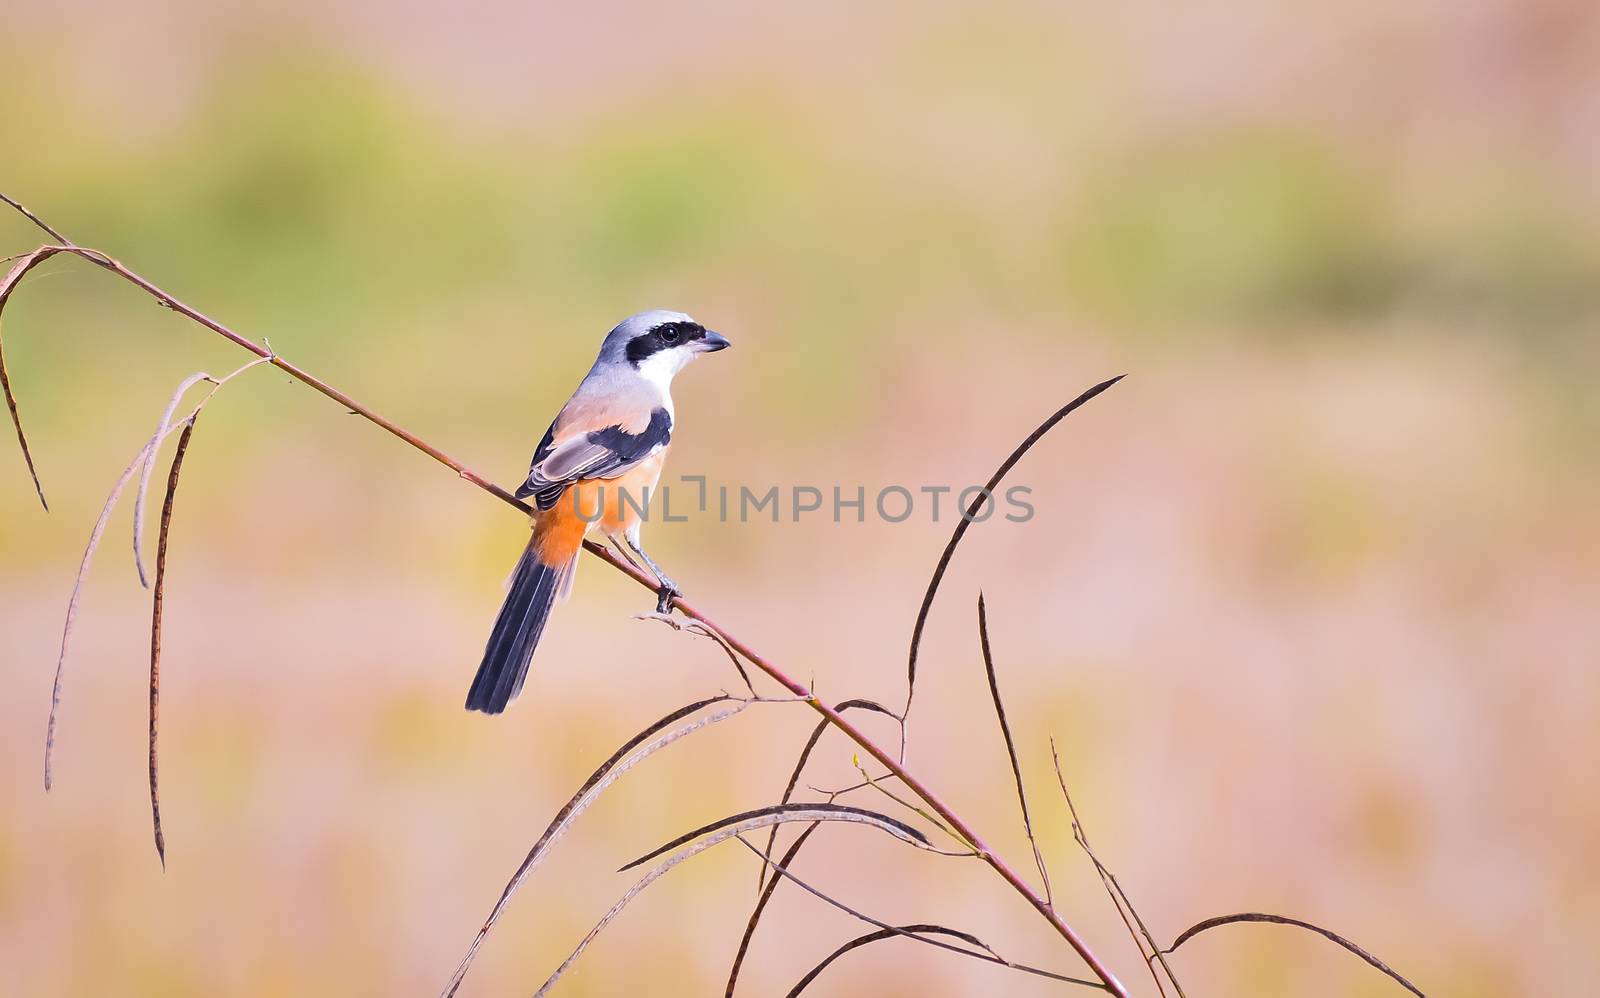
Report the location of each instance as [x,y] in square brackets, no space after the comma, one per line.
[543,575]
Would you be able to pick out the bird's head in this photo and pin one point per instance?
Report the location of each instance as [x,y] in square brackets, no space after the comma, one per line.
[659,343]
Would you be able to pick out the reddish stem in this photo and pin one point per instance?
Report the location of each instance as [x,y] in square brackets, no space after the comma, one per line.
[798,689]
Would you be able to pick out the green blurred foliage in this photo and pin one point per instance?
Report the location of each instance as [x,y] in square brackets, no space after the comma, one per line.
[1236,228]
[307,195]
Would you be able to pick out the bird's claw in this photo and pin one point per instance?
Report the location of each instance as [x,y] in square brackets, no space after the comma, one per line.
[664,597]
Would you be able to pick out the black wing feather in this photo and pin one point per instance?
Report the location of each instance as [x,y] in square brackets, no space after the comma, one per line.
[623,450]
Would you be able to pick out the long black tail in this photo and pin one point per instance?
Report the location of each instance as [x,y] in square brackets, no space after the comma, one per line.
[534,588]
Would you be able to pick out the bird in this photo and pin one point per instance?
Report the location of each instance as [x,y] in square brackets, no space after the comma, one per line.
[594,469]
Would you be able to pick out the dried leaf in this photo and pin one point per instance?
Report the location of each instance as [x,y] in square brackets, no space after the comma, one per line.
[840,812]
[157,605]
[72,608]
[719,832]
[1011,747]
[1256,916]
[892,932]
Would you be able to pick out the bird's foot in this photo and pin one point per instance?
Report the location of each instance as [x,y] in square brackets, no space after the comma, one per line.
[665,595]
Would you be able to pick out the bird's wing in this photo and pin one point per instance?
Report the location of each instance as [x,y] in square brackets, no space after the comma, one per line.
[604,453]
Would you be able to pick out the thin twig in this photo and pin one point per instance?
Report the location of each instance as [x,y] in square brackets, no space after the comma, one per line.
[800,765]
[853,787]
[1114,890]
[767,890]
[781,870]
[696,628]
[1011,747]
[36,220]
[876,784]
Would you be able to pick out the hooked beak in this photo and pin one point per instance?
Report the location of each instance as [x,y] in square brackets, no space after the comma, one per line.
[712,342]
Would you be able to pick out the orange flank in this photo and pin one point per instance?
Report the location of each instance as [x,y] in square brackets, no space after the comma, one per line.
[612,504]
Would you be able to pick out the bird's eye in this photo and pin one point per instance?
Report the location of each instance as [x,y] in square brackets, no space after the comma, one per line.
[668,334]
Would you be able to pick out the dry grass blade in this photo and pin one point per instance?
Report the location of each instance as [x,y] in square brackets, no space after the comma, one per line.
[7,285]
[20,268]
[1256,916]
[1113,887]
[780,813]
[966,521]
[892,932]
[16,421]
[719,832]
[25,263]
[767,891]
[1011,747]
[988,955]
[145,452]
[157,604]
[72,609]
[800,765]
[633,752]
[162,429]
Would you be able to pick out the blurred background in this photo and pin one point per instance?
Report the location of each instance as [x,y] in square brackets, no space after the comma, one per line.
[1309,602]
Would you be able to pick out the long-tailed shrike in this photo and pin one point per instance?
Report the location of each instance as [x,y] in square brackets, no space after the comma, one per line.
[595,467]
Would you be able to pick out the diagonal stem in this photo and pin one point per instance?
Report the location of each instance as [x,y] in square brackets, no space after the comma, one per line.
[833,717]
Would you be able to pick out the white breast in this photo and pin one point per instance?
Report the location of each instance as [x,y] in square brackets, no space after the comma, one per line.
[658,369]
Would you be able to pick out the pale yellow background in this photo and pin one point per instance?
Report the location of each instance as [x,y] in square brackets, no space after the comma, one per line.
[1309,604]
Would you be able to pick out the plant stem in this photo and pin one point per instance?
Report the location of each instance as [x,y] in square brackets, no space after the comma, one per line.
[833,717]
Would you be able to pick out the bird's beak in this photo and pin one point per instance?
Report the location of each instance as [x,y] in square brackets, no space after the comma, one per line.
[712,342]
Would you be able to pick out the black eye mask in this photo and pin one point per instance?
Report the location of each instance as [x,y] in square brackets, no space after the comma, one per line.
[663,337]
